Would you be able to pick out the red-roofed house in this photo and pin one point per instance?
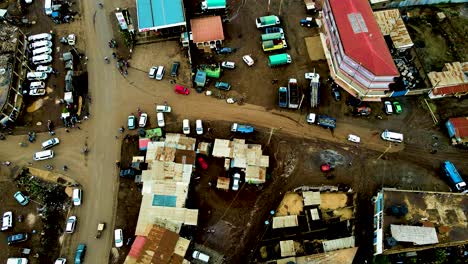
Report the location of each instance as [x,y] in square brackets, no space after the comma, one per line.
[358,57]
[207,32]
[458,130]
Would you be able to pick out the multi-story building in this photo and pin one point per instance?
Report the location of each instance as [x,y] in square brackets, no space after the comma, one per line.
[357,54]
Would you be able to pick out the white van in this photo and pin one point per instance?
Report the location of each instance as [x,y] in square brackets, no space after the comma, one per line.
[40,44]
[41,59]
[43,155]
[48,7]
[160,118]
[40,51]
[38,37]
[152,72]
[17,261]
[32,76]
[200,256]
[160,73]
[37,85]
[392,136]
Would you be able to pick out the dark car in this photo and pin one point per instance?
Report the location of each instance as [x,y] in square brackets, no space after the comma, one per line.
[223,86]
[17,238]
[363,111]
[225,50]
[175,68]
[336,94]
[128,173]
[80,253]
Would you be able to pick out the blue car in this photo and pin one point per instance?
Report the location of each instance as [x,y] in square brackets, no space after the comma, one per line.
[80,253]
[225,50]
[223,86]
[21,198]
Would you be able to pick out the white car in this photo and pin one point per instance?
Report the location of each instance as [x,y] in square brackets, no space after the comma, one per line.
[163,108]
[118,237]
[7,221]
[50,143]
[235,183]
[354,138]
[311,118]
[76,197]
[71,223]
[388,107]
[200,256]
[228,64]
[186,126]
[36,76]
[248,60]
[152,72]
[17,261]
[160,119]
[199,127]
[37,92]
[60,261]
[143,119]
[46,69]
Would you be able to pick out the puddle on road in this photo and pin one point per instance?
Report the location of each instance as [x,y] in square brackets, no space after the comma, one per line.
[31,220]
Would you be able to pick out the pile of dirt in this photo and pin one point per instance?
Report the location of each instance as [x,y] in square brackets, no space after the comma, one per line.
[292,204]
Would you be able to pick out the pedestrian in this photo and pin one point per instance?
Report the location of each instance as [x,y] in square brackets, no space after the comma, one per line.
[66,130]
[78,127]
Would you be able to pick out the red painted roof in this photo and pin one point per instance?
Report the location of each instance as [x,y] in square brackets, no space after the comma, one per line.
[207,29]
[368,48]
[451,89]
[461,126]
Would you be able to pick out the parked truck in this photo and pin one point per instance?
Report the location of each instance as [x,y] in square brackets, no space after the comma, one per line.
[267,21]
[279,59]
[314,89]
[208,5]
[452,173]
[243,129]
[283,97]
[272,36]
[326,121]
[294,97]
[271,45]
[310,6]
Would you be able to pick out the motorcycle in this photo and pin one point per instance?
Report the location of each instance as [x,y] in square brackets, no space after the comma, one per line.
[49,167]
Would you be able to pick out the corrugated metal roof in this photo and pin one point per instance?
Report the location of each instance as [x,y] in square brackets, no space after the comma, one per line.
[223,183]
[459,126]
[287,248]
[159,14]
[285,221]
[418,235]
[391,23]
[207,29]
[311,198]
[341,243]
[222,148]
[453,74]
[368,47]
[315,214]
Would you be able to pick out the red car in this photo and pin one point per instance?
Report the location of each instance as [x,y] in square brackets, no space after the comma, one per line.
[181,89]
[202,163]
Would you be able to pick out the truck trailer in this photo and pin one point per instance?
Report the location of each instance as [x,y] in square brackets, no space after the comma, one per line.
[294,97]
[314,90]
[271,45]
[283,97]
[243,129]
[279,59]
[326,121]
[213,5]
[452,174]
[272,36]
[267,21]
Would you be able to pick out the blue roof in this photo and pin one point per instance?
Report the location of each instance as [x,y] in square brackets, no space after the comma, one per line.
[158,14]
[164,200]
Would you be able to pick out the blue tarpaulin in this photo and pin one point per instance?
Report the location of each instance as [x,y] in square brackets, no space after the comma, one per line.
[164,200]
